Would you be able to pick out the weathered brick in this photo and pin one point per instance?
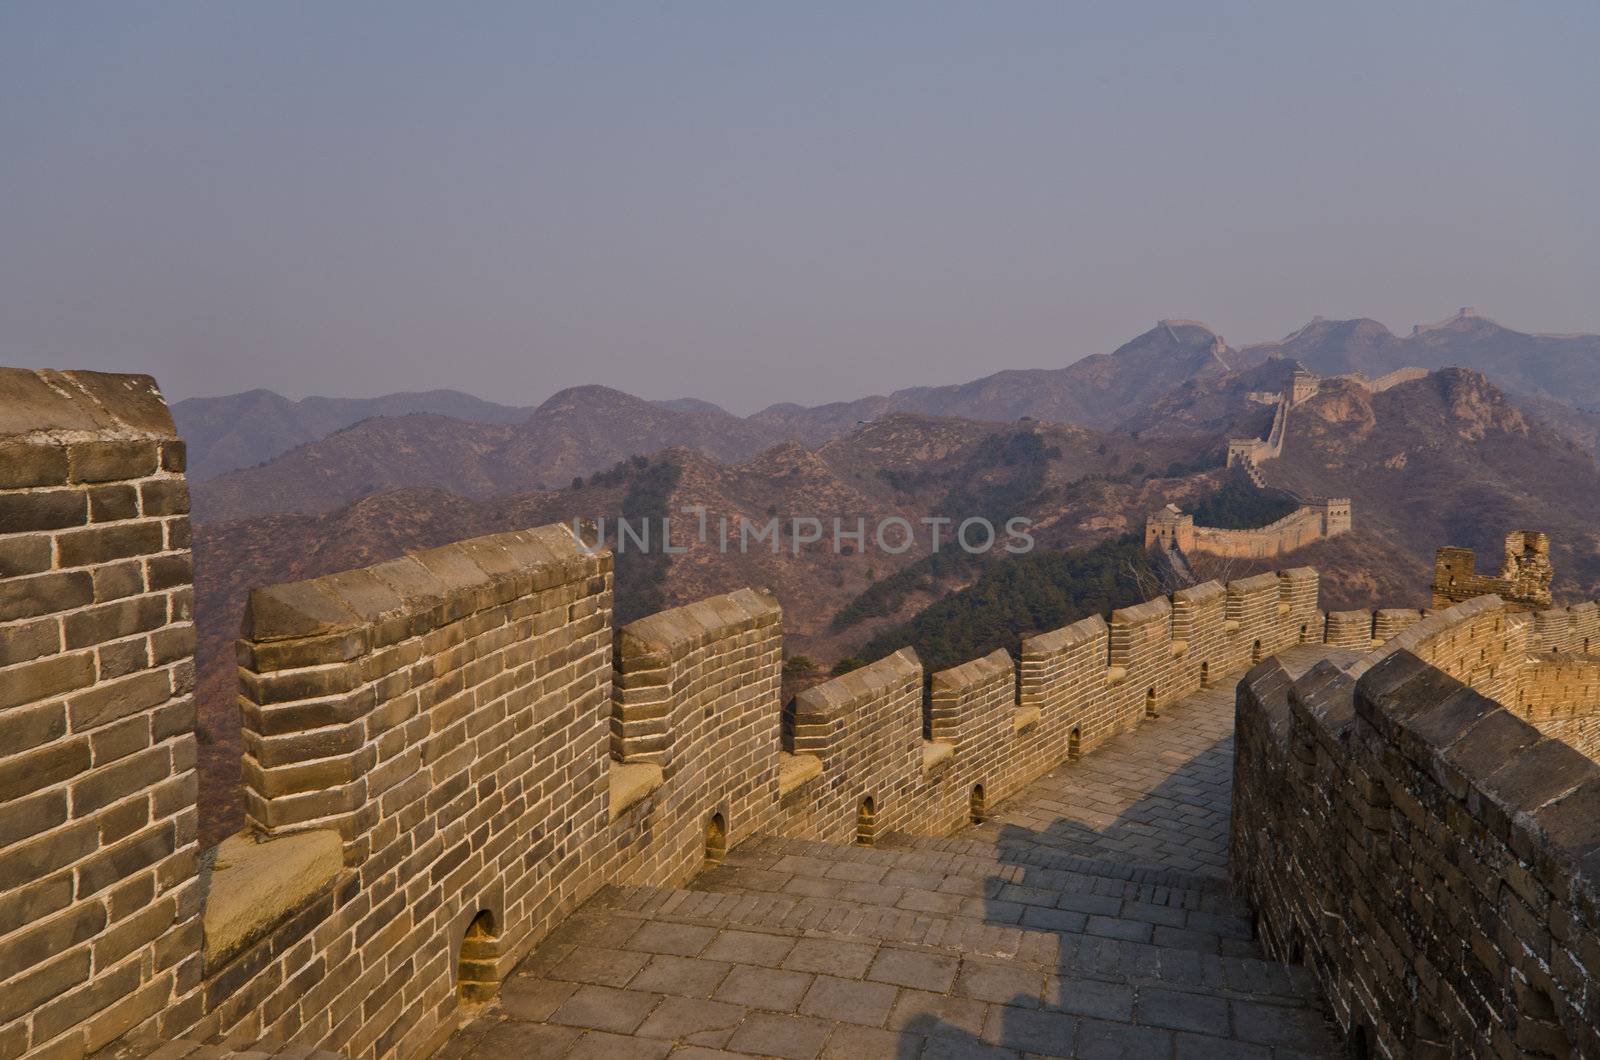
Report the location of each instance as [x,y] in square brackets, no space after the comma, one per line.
[24,728]
[120,822]
[26,817]
[165,496]
[25,464]
[35,859]
[27,903]
[21,513]
[174,456]
[115,700]
[123,860]
[108,784]
[176,717]
[123,658]
[108,461]
[115,621]
[51,936]
[171,643]
[26,641]
[102,544]
[111,742]
[169,571]
[52,676]
[43,983]
[74,1009]
[51,764]
[118,580]
[110,503]
[22,554]
[44,594]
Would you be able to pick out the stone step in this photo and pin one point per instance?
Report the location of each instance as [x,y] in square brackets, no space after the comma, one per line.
[1044,856]
[864,883]
[761,853]
[1075,955]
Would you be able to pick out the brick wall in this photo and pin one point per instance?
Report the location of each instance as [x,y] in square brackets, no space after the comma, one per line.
[866,730]
[1560,695]
[99,896]
[992,724]
[1301,527]
[446,716]
[1427,853]
[1304,525]
[696,693]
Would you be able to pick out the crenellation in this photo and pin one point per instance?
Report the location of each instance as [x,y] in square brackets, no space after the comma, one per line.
[1389,622]
[1370,754]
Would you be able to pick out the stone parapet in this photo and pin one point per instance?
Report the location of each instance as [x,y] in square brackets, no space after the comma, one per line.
[696,693]
[1426,852]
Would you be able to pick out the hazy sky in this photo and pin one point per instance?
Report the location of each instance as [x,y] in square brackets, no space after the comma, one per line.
[758,202]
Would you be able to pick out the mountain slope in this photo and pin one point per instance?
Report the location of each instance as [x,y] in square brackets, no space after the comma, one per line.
[1096,391]
[1564,368]
[1448,459]
[242,430]
[574,433]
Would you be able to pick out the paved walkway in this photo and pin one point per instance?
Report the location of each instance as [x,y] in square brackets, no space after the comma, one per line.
[1089,918]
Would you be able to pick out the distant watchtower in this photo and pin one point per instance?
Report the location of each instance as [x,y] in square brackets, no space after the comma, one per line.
[1525,574]
[1169,528]
[1304,386]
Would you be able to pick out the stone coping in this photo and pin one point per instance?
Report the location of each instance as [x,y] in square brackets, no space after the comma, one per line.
[48,405]
[695,625]
[1059,640]
[796,770]
[394,599]
[974,673]
[253,885]
[631,783]
[835,697]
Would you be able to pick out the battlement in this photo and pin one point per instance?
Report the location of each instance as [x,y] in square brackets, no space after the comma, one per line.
[1461,742]
[1523,582]
[1172,528]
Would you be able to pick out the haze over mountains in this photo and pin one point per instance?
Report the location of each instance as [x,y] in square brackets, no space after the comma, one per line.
[322,452]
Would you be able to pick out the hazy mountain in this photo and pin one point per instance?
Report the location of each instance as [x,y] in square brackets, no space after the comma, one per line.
[1096,391]
[576,432]
[242,430]
[1563,368]
[690,404]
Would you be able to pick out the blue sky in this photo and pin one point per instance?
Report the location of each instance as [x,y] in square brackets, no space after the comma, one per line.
[754,203]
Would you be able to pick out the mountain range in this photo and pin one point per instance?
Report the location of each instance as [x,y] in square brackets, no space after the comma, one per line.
[316,454]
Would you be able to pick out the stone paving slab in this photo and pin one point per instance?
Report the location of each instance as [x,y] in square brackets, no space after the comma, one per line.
[1082,955]
[990,900]
[764,993]
[764,853]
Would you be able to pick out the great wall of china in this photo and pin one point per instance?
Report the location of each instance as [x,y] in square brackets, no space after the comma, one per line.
[453,764]
[1315,518]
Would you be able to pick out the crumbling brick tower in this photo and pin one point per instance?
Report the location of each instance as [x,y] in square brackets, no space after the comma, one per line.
[1525,574]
